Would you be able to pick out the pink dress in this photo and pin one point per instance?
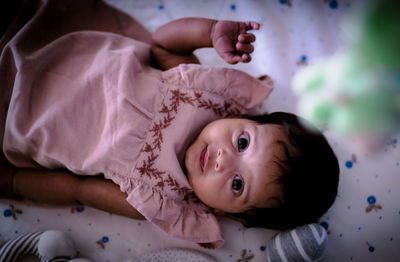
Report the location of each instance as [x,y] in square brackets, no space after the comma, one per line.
[83,96]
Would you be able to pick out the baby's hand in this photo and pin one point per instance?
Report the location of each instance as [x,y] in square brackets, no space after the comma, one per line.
[232,42]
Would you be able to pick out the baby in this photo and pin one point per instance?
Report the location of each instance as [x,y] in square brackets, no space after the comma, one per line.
[265,170]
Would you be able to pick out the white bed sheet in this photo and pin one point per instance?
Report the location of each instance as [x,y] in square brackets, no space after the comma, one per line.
[364,222]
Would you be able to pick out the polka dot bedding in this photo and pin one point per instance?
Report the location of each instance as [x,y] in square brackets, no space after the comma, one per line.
[364,222]
[173,255]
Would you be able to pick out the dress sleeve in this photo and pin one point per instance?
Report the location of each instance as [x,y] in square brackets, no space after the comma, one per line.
[232,84]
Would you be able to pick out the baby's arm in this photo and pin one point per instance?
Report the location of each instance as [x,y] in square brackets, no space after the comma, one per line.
[174,42]
[65,188]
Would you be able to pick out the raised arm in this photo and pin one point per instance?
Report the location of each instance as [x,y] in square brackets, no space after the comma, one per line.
[174,42]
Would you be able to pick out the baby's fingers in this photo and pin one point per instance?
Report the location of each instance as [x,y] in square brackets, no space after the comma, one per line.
[246,38]
[244,48]
[233,58]
[245,58]
[252,25]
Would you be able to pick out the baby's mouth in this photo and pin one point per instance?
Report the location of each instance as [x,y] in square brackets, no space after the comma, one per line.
[203,158]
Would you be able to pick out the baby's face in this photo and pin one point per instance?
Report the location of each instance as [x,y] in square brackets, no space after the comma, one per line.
[231,165]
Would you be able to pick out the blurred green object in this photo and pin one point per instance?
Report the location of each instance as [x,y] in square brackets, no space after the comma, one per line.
[357,91]
[379,43]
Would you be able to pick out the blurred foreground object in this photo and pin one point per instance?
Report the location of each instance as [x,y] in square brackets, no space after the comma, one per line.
[357,91]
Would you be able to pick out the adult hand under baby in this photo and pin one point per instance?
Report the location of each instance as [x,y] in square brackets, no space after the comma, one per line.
[232,41]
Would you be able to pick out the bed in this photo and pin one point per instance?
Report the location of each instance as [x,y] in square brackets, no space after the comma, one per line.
[364,222]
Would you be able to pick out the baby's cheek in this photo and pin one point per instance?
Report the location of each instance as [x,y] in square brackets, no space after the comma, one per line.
[195,182]
[196,185]
[204,190]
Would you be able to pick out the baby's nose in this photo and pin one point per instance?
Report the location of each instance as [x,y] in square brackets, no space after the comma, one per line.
[222,161]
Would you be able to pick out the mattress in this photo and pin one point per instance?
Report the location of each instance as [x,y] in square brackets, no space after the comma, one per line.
[364,222]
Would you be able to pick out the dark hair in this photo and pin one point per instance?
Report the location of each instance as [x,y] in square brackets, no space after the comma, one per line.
[310,176]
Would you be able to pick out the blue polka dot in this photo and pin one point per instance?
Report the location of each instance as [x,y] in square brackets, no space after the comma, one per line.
[394,141]
[333,4]
[282,2]
[160,7]
[7,213]
[303,58]
[262,248]
[349,164]
[324,224]
[233,7]
[371,200]
[371,249]
[105,239]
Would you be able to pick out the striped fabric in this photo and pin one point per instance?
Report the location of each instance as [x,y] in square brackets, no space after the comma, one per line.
[305,243]
[23,245]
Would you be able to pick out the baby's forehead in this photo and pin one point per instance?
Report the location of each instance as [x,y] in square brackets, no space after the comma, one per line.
[272,142]
[268,192]
[274,153]
[275,133]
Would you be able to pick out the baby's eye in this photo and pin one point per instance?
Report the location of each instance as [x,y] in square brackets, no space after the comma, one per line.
[237,184]
[243,142]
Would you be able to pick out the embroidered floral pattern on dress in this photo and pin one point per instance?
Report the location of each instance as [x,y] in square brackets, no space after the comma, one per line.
[177,97]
